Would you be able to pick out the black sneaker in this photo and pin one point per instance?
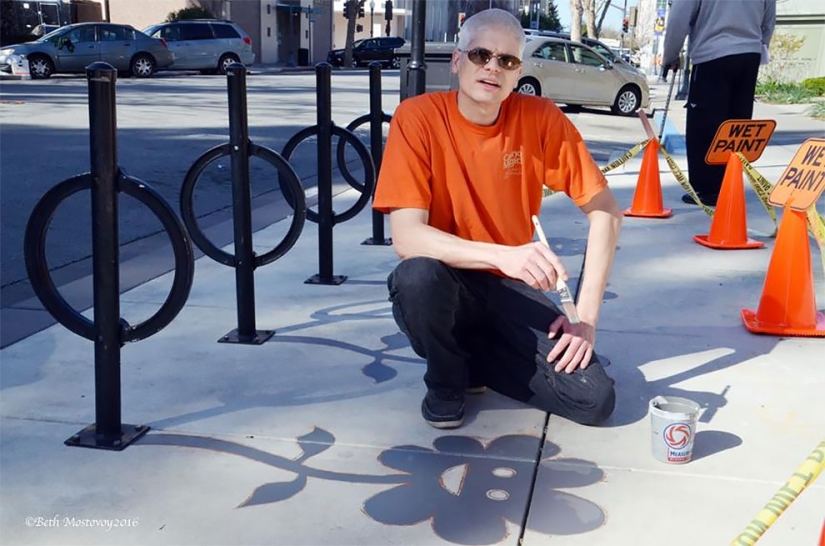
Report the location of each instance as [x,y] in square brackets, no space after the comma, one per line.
[709,201]
[439,412]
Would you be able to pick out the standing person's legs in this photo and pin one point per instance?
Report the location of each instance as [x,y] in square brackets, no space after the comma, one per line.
[436,307]
[512,354]
[746,67]
[707,107]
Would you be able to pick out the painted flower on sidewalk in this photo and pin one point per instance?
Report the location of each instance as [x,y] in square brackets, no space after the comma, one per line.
[470,492]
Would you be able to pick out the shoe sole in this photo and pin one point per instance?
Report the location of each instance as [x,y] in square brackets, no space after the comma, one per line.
[475,390]
[445,424]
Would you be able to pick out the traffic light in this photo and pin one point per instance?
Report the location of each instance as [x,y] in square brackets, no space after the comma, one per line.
[346,9]
[388,10]
[361,8]
[624,25]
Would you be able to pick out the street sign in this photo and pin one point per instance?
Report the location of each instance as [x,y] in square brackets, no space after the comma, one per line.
[749,136]
[804,180]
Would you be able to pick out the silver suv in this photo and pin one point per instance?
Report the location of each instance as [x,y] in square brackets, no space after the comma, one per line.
[208,45]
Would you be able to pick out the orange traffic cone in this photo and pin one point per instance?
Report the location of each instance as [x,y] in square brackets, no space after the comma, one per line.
[788,306]
[647,201]
[729,228]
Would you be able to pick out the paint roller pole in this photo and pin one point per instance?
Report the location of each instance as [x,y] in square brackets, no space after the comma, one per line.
[667,104]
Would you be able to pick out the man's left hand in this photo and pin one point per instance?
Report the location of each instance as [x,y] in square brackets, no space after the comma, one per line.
[575,346]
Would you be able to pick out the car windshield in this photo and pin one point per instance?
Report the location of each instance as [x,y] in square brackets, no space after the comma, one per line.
[51,34]
[150,30]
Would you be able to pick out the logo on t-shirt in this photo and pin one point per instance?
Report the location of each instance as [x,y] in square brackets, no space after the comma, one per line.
[512,163]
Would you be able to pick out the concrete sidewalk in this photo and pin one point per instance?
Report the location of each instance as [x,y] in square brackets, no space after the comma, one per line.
[316,437]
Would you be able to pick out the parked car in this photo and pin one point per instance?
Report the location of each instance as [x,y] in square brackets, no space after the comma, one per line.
[607,52]
[575,74]
[208,45]
[74,47]
[365,51]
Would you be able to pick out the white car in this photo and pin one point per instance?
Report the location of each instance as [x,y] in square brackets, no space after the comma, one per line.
[576,75]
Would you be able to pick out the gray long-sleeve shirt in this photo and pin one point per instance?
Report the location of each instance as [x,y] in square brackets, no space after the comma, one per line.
[718,28]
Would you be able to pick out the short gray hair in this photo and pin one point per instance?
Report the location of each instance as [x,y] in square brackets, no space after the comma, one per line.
[495,18]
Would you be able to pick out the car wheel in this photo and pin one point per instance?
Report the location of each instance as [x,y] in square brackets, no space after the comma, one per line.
[142,66]
[627,101]
[40,67]
[395,62]
[225,61]
[529,86]
[354,63]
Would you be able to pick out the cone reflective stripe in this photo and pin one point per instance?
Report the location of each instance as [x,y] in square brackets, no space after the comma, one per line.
[788,306]
[729,227]
[647,201]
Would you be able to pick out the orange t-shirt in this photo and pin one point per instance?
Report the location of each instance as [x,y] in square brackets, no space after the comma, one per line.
[483,183]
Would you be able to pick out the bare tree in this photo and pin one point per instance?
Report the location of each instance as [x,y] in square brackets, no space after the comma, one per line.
[590,13]
[576,11]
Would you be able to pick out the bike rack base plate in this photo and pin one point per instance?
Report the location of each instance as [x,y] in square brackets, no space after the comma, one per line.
[377,242]
[260,337]
[333,280]
[88,437]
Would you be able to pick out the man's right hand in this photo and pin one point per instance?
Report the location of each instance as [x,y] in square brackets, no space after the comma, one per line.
[534,264]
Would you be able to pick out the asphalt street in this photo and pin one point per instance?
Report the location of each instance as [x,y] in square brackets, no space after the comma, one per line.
[164,125]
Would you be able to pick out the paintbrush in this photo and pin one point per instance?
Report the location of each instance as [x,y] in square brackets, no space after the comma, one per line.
[567,302]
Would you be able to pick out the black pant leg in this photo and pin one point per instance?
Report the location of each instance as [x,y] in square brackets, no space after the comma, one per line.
[747,68]
[512,354]
[720,90]
[435,308]
[707,107]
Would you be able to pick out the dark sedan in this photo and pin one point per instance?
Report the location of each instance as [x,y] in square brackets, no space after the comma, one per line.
[74,47]
[370,49]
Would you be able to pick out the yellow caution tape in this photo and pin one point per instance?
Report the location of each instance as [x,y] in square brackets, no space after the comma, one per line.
[816,224]
[625,157]
[802,478]
[762,188]
[683,181]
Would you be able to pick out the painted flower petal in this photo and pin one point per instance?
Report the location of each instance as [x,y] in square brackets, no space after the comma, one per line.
[563,473]
[559,513]
[402,505]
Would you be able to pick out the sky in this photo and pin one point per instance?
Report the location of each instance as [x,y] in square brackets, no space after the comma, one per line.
[613,19]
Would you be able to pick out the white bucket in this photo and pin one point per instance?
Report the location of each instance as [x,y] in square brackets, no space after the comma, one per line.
[673,427]
[20,66]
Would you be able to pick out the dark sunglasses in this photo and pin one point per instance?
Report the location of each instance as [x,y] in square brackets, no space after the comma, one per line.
[480,57]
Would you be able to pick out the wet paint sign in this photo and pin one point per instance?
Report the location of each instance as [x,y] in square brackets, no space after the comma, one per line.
[804,180]
[748,136]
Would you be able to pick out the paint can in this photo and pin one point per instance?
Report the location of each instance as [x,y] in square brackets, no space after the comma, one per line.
[673,427]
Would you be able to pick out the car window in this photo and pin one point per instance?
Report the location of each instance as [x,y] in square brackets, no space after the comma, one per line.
[170,33]
[195,32]
[116,34]
[552,51]
[588,57]
[225,31]
[81,35]
[603,50]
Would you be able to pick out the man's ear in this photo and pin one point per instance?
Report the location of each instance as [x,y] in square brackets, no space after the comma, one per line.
[454,62]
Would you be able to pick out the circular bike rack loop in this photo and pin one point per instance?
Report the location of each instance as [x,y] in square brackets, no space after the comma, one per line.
[366,188]
[291,188]
[43,284]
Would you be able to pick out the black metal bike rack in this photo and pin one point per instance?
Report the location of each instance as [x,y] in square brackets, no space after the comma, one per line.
[325,217]
[245,261]
[108,330]
[376,118]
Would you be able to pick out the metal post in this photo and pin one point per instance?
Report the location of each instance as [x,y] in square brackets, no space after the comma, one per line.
[372,17]
[323,78]
[242,212]
[105,248]
[417,69]
[108,432]
[376,149]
